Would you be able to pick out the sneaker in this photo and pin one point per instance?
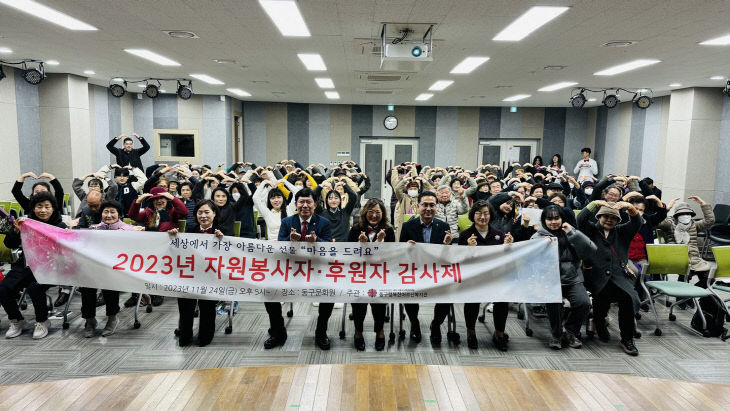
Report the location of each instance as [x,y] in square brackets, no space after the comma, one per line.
[602,330]
[131,301]
[90,327]
[571,340]
[235,307]
[157,300]
[500,342]
[555,343]
[41,330]
[490,307]
[100,300]
[222,308]
[61,299]
[629,347]
[16,328]
[435,334]
[111,326]
[539,311]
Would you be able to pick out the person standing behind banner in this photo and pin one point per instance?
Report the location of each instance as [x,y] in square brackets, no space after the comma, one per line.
[304,226]
[372,226]
[479,234]
[424,229]
[586,168]
[128,155]
[206,217]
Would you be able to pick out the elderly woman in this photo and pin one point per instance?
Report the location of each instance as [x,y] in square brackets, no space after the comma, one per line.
[608,275]
[111,211]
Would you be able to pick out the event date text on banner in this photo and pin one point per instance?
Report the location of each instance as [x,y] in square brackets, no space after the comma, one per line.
[242,269]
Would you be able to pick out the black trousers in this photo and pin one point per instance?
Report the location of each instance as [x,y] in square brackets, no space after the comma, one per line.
[358,315]
[580,305]
[412,311]
[602,302]
[15,281]
[471,312]
[206,326]
[276,321]
[88,302]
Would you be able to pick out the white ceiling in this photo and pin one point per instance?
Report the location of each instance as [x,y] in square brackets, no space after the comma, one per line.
[668,30]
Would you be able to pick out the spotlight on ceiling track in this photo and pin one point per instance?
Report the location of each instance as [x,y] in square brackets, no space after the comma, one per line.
[642,101]
[118,90]
[34,75]
[578,100]
[726,91]
[610,100]
[185,91]
[151,91]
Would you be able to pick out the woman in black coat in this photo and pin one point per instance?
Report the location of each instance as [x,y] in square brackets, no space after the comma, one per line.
[206,218]
[372,227]
[608,278]
[482,233]
[333,211]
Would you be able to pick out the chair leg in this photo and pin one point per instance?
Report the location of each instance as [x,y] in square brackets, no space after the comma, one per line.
[702,314]
[344,321]
[391,337]
[65,309]
[229,329]
[657,330]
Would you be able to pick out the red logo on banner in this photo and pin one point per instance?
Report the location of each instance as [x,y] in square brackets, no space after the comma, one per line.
[372,292]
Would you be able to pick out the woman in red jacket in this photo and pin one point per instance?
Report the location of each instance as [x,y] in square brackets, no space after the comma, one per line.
[163,212]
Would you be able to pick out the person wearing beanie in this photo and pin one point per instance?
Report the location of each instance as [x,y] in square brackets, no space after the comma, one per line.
[406,189]
[607,273]
[123,188]
[449,206]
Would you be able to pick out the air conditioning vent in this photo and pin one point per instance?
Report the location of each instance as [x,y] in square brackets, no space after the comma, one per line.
[396,77]
[377,91]
[383,76]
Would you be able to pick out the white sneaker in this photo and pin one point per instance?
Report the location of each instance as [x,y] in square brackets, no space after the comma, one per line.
[16,328]
[339,305]
[490,307]
[41,330]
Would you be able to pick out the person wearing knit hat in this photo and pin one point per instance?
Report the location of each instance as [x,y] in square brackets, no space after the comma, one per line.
[607,274]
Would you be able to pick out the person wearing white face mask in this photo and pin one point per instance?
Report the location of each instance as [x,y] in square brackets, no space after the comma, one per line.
[406,191]
[682,229]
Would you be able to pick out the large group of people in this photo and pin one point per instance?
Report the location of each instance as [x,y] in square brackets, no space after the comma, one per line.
[602,227]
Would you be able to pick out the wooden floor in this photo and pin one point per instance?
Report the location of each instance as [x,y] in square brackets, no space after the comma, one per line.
[366,387]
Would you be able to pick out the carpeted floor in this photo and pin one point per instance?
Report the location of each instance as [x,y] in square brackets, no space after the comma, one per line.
[679,353]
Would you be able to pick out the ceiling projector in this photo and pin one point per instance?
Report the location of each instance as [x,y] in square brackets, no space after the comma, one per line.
[408,51]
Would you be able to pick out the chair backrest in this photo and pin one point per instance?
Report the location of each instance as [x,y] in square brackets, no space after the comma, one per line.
[5,205]
[722,258]
[576,212]
[407,217]
[6,255]
[16,207]
[661,236]
[667,258]
[255,217]
[66,197]
[464,222]
[181,225]
[722,214]
[237,228]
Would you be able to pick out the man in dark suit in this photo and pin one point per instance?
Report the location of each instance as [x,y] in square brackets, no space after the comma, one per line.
[128,155]
[303,226]
[424,229]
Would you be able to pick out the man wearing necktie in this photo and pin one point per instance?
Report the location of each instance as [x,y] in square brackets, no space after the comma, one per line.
[303,226]
[587,167]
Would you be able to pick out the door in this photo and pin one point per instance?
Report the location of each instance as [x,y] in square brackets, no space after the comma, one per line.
[378,156]
[505,152]
[237,138]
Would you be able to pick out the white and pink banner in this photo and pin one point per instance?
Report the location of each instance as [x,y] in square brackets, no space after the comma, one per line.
[242,269]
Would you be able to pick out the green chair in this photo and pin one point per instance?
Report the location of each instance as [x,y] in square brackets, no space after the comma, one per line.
[128,221]
[576,212]
[181,224]
[16,207]
[464,222]
[407,217]
[6,255]
[722,270]
[237,228]
[670,259]
[66,206]
[5,205]
[661,236]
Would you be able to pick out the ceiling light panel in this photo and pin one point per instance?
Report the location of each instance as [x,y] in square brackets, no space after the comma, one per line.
[52,62]
[531,20]
[517,97]
[208,79]
[675,85]
[468,65]
[5,50]
[424,96]
[313,62]
[89,72]
[622,68]
[332,95]
[440,85]
[717,78]
[719,41]
[46,13]
[153,57]
[286,17]
[325,82]
[239,92]
[558,86]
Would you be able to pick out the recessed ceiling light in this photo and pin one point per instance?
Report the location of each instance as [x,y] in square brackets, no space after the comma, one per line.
[206,78]
[531,20]
[675,85]
[313,62]
[181,34]
[718,41]
[48,14]
[225,61]
[332,95]
[52,62]
[239,92]
[622,68]
[5,50]
[591,99]
[440,85]
[424,96]
[517,97]
[468,65]
[642,90]
[717,78]
[325,82]
[117,79]
[89,72]
[286,17]
[153,57]
[558,86]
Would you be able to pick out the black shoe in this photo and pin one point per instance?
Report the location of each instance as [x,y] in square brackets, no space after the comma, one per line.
[322,341]
[131,301]
[500,342]
[471,341]
[61,299]
[629,347]
[203,341]
[435,334]
[416,333]
[184,340]
[379,344]
[157,300]
[539,311]
[360,343]
[602,330]
[274,341]
[100,300]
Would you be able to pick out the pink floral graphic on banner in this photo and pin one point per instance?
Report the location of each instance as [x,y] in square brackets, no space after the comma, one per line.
[48,249]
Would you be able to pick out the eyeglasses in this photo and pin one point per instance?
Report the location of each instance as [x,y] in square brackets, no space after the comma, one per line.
[481,214]
[374,212]
[305,202]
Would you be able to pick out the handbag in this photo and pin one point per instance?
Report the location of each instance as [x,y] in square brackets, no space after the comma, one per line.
[6,222]
[630,270]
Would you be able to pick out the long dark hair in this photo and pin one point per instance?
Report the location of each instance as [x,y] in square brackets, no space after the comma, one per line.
[534,161]
[275,192]
[362,222]
[551,211]
[560,160]
[219,188]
